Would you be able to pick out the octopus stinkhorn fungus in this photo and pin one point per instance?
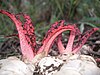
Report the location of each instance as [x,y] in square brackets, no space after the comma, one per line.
[54,35]
[28,39]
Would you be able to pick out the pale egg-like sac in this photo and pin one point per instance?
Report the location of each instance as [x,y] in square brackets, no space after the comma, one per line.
[14,66]
[79,65]
[67,64]
[49,65]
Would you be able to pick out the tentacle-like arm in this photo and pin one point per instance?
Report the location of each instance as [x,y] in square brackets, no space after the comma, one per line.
[53,32]
[26,33]
[83,39]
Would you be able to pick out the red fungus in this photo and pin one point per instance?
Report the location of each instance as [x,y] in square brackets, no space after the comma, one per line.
[28,40]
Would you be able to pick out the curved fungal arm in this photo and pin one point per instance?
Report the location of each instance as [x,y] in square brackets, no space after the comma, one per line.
[53,33]
[83,39]
[24,34]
